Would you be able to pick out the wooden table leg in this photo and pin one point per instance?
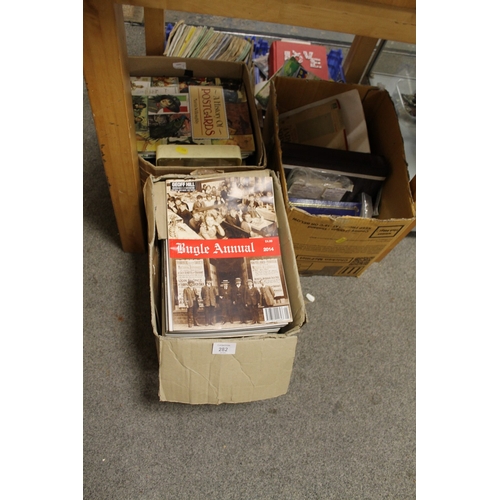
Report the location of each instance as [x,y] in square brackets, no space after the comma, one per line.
[358,57]
[106,75]
[154,29]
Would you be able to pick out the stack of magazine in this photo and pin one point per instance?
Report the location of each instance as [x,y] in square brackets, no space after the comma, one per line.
[222,267]
[189,110]
[202,42]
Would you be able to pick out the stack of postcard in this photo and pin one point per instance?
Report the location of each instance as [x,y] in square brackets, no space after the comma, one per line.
[205,43]
[223,272]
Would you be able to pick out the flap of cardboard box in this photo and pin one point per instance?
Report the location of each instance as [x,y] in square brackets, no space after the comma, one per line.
[254,369]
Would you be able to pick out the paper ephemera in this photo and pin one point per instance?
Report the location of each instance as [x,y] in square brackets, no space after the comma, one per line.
[225,271]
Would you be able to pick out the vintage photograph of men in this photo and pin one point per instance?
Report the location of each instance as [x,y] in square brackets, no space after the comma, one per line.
[224,257]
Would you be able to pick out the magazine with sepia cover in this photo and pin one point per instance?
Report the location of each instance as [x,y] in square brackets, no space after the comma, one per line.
[224,272]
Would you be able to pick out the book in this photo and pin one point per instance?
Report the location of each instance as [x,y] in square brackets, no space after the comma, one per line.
[240,127]
[174,110]
[208,112]
[312,57]
[224,270]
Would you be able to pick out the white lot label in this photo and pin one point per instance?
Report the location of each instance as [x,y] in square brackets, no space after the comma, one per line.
[221,348]
[179,65]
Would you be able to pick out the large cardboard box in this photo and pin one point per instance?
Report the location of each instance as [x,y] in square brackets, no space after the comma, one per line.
[345,245]
[189,371]
[198,68]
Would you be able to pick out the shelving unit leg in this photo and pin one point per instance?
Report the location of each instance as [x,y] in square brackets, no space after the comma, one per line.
[106,74]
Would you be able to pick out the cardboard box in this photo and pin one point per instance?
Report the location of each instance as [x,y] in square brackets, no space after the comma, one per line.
[312,57]
[176,66]
[346,245]
[260,367]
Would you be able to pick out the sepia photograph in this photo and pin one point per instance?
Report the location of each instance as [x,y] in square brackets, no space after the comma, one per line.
[224,257]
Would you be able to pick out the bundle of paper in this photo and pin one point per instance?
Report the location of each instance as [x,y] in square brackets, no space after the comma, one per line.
[367,171]
[203,42]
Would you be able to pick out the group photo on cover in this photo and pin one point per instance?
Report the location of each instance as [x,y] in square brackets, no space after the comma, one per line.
[226,303]
[224,258]
[233,207]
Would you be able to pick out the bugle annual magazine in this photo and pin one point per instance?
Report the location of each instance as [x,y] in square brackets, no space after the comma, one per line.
[224,270]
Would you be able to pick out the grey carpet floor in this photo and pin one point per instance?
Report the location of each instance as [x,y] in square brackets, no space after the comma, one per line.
[346,429]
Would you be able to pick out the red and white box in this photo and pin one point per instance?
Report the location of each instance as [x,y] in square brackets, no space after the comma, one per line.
[312,57]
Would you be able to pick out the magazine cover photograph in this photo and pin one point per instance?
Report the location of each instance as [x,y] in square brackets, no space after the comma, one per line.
[224,269]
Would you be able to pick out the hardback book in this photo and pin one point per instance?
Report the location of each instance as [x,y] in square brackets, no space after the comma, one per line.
[312,57]
[187,110]
[208,113]
[224,271]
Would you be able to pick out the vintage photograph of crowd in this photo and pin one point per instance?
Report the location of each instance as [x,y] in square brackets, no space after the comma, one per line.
[224,264]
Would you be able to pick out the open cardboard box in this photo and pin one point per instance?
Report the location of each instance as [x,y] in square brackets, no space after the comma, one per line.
[260,367]
[177,67]
[345,245]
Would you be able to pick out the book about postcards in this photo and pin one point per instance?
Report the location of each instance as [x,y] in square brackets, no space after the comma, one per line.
[224,267]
